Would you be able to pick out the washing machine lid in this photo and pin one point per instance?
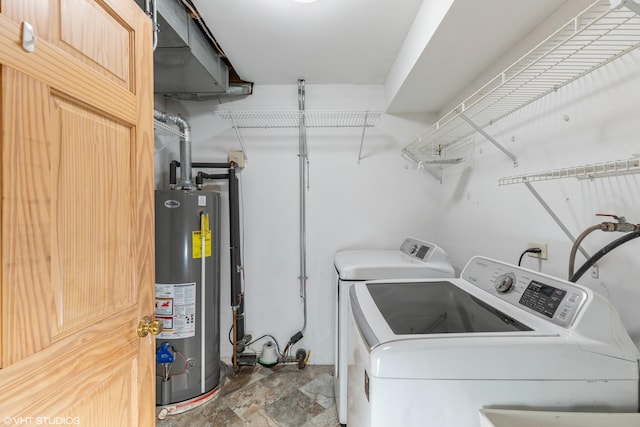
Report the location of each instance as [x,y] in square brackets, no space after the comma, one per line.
[438,307]
[414,259]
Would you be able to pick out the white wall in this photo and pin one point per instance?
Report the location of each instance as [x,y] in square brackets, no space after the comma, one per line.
[374,204]
[594,119]
[377,203]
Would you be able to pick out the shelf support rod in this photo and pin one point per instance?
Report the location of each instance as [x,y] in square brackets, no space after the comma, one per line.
[364,127]
[555,218]
[490,138]
[235,128]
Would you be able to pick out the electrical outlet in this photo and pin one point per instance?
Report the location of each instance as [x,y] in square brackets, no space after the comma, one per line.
[541,255]
[238,158]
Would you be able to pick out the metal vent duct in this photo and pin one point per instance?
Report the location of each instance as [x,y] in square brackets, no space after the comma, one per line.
[185,64]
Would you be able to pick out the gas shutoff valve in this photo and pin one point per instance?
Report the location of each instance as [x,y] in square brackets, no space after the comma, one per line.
[622,225]
[164,354]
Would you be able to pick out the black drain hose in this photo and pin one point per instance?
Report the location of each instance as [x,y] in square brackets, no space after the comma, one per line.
[602,252]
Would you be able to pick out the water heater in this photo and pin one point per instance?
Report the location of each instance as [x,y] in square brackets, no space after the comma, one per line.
[187,296]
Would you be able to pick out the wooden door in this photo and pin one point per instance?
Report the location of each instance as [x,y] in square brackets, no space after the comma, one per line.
[77,248]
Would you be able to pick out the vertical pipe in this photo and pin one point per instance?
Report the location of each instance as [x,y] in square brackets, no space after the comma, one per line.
[185,152]
[204,225]
[237,300]
[173,166]
[234,237]
[156,28]
[303,165]
[151,10]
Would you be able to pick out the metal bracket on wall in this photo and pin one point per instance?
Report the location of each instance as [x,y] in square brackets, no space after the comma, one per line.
[235,128]
[555,218]
[364,128]
[490,139]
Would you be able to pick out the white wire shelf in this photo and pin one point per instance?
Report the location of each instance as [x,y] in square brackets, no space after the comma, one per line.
[292,119]
[595,170]
[163,129]
[594,38]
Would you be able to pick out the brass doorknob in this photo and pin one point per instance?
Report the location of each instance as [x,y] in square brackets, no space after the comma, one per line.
[147,325]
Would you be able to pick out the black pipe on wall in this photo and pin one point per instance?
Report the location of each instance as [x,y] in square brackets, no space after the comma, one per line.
[237,297]
[234,230]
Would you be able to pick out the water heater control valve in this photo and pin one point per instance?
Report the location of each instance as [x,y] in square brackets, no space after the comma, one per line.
[164,354]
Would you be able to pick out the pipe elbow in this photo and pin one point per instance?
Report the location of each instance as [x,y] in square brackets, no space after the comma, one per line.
[182,123]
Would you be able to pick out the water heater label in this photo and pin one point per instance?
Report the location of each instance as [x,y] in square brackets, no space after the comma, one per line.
[196,240]
[171,204]
[176,309]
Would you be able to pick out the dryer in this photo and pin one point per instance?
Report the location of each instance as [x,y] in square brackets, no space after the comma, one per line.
[435,352]
[415,259]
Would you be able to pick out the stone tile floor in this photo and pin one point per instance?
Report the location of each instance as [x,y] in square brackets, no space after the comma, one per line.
[257,396]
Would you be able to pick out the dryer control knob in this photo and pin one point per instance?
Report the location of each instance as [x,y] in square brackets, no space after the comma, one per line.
[505,283]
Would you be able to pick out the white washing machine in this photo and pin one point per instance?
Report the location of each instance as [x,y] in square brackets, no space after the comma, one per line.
[435,352]
[415,259]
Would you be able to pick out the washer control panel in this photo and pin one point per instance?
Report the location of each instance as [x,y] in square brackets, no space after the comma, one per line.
[542,298]
[549,298]
[416,249]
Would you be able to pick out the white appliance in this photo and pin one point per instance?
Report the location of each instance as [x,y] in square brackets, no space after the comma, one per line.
[435,352]
[511,417]
[415,259]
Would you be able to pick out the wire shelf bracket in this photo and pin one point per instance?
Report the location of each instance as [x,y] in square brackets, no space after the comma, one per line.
[491,139]
[364,128]
[555,217]
[235,128]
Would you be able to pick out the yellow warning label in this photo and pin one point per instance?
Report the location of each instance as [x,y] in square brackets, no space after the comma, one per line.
[196,246]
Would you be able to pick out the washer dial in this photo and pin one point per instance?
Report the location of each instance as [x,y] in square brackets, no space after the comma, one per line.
[505,283]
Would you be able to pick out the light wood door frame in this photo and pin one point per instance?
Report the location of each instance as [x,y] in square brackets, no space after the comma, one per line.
[74,76]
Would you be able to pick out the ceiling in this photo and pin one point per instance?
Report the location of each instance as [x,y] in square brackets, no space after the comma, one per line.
[359,41]
[324,42]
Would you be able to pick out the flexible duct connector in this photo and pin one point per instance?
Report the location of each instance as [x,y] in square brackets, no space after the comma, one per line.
[185,144]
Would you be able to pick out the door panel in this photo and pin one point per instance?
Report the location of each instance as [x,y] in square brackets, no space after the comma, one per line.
[96,37]
[76,249]
[91,192]
[26,217]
